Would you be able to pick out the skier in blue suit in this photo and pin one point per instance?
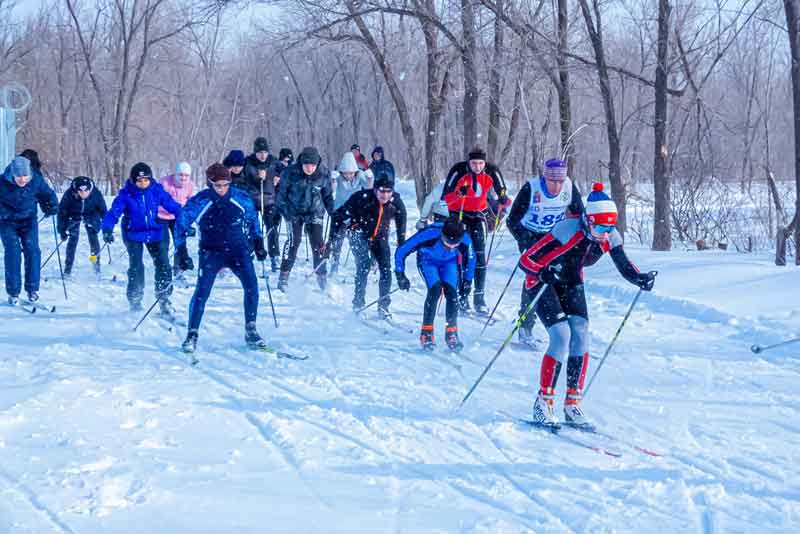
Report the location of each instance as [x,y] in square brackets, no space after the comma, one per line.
[137,203]
[229,233]
[439,248]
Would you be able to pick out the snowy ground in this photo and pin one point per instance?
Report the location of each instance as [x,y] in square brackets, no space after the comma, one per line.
[107,430]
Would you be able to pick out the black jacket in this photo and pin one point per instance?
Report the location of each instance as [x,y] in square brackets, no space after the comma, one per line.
[363,213]
[382,166]
[252,183]
[74,209]
[305,196]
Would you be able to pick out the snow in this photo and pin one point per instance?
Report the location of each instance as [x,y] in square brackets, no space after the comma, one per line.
[107,430]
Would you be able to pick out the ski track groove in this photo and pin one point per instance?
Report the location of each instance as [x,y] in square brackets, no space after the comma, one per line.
[41,509]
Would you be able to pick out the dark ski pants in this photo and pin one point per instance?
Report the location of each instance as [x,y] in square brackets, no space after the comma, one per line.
[74,232]
[211,261]
[475,226]
[21,238]
[364,250]
[272,229]
[169,229]
[294,228]
[336,249]
[526,241]
[163,275]
[440,278]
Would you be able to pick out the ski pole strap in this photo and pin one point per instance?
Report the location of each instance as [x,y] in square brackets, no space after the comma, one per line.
[489,320]
[522,317]
[613,340]
[374,302]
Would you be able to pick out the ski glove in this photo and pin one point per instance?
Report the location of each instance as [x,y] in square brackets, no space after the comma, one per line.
[645,281]
[185,263]
[108,236]
[49,211]
[402,281]
[466,287]
[63,236]
[551,274]
[258,245]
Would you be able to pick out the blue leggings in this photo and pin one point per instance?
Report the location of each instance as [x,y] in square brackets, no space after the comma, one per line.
[211,261]
[438,278]
[21,238]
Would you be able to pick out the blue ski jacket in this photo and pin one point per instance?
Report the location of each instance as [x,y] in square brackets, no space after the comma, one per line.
[19,203]
[140,210]
[431,251]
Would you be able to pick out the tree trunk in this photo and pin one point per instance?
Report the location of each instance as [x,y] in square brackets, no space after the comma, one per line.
[792,10]
[564,101]
[495,91]
[595,30]
[662,234]
[470,65]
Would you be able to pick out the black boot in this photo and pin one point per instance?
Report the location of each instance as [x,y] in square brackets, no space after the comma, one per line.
[275,264]
[283,281]
[480,303]
[190,343]
[251,337]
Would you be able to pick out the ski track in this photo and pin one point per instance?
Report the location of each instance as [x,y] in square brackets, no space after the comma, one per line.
[384,409]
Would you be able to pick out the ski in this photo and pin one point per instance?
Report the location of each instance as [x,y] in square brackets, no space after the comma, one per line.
[391,322]
[281,354]
[31,307]
[371,324]
[595,431]
[557,431]
[477,317]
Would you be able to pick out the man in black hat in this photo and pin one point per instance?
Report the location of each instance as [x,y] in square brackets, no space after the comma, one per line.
[81,202]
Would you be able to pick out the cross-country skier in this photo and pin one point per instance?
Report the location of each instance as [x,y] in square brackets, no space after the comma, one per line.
[82,202]
[438,247]
[273,221]
[235,161]
[180,187]
[303,198]
[348,179]
[21,189]
[380,164]
[137,203]
[465,190]
[540,204]
[558,260]
[229,233]
[362,162]
[367,215]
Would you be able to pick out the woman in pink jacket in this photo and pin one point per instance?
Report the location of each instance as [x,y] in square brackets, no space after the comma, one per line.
[180,187]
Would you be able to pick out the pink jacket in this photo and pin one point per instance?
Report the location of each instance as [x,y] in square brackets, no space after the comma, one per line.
[179,194]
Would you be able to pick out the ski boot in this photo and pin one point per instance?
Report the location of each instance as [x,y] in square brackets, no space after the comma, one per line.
[573,415]
[384,313]
[283,281]
[526,337]
[135,305]
[13,300]
[480,304]
[322,281]
[275,264]
[543,412]
[166,311]
[251,337]
[33,296]
[451,338]
[189,344]
[426,338]
[96,266]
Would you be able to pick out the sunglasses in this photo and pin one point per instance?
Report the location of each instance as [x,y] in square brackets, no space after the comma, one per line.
[384,190]
[603,228]
[220,184]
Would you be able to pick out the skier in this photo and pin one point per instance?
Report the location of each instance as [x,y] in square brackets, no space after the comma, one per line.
[557,260]
[303,198]
[138,202]
[273,222]
[438,247]
[362,162]
[347,181]
[540,204]
[81,202]
[381,164]
[367,215]
[465,190]
[427,211]
[180,187]
[21,188]
[235,162]
[229,233]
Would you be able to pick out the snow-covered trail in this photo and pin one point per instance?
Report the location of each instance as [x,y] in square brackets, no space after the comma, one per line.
[107,430]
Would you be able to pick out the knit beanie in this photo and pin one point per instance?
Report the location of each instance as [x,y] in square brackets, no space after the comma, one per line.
[20,166]
[348,163]
[309,154]
[477,153]
[217,172]
[453,231]
[140,170]
[555,169]
[260,145]
[286,153]
[81,183]
[183,168]
[235,158]
[600,209]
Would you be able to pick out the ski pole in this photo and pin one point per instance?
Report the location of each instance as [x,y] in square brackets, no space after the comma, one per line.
[58,253]
[108,248]
[153,305]
[94,258]
[519,322]
[758,349]
[494,231]
[614,339]
[374,302]
[58,244]
[269,293]
[489,320]
[40,220]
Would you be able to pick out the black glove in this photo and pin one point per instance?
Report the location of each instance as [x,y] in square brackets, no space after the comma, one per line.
[400,240]
[402,281]
[551,274]
[185,263]
[466,287]
[191,232]
[49,211]
[258,245]
[108,236]
[63,235]
[645,281]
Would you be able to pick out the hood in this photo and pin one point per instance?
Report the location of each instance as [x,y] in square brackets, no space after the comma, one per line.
[348,163]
